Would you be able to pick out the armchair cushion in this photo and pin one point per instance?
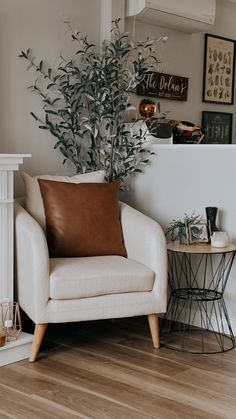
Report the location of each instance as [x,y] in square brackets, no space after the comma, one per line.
[82,219]
[73,278]
[34,202]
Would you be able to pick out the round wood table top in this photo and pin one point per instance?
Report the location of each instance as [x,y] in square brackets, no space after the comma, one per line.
[199,248]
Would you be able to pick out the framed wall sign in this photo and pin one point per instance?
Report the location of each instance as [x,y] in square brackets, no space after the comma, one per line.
[164,86]
[219,68]
[217,127]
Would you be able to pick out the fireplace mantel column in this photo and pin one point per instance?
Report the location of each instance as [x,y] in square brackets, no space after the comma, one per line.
[8,164]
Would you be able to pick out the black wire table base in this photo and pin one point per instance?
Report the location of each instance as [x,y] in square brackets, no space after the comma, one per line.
[197,320]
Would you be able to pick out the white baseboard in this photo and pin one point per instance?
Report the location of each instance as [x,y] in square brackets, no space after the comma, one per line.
[16,350]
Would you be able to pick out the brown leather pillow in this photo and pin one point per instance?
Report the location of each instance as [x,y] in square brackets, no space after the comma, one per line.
[82,219]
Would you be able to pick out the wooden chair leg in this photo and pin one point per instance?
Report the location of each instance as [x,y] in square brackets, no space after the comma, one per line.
[39,333]
[154,328]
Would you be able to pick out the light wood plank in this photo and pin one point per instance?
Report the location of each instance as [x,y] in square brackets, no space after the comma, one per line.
[111,370]
[17,404]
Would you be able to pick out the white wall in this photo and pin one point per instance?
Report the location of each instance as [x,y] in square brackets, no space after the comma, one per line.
[187,178]
[118,10]
[37,24]
[183,55]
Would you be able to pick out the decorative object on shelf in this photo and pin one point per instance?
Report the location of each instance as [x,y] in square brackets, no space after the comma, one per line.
[219,239]
[198,233]
[3,332]
[147,108]
[211,214]
[3,336]
[160,127]
[85,100]
[219,68]
[11,319]
[217,127]
[164,86]
[185,132]
[178,228]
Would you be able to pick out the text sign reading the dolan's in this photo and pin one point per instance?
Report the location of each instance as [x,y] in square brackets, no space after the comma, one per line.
[166,86]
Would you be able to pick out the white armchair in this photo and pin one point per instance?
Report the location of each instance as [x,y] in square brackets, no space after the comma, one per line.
[76,289]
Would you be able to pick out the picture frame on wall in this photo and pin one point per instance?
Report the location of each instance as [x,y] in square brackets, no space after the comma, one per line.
[217,127]
[219,70]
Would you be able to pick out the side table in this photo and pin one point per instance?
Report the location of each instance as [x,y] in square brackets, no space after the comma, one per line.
[197,319]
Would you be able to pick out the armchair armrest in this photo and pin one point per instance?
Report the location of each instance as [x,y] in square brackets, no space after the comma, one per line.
[145,242]
[32,264]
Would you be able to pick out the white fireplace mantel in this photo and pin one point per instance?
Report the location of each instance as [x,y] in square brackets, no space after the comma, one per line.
[9,163]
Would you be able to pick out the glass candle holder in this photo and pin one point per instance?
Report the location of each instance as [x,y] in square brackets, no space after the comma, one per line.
[11,320]
[219,239]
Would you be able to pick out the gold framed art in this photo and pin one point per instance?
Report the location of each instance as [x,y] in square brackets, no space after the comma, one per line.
[219,69]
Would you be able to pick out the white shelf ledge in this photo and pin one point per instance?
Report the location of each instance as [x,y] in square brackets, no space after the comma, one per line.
[16,350]
[193,146]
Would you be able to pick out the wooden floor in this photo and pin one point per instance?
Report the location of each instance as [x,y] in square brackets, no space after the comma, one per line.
[109,369]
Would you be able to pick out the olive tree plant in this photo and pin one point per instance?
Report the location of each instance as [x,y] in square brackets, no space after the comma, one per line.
[85,99]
